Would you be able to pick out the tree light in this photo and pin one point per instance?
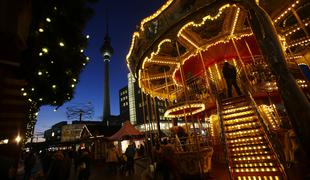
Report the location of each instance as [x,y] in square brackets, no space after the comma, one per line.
[24,94]
[82,50]
[54,86]
[41,30]
[61,44]
[45,50]
[87,36]
[18,138]
[48,19]
[4,141]
[39,73]
[40,54]
[87,58]
[72,85]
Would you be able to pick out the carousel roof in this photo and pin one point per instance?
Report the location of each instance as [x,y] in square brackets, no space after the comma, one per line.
[181,33]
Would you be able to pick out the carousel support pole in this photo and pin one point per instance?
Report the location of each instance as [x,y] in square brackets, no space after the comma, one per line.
[191,114]
[148,149]
[204,69]
[156,118]
[240,59]
[295,101]
[148,115]
[249,49]
[184,86]
[153,117]
[151,105]
[149,121]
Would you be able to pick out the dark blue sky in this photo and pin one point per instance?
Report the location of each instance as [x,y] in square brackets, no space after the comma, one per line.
[124,15]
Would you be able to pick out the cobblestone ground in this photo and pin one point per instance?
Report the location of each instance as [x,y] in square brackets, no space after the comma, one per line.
[99,171]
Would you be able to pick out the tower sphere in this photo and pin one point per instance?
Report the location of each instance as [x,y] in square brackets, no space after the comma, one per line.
[106,50]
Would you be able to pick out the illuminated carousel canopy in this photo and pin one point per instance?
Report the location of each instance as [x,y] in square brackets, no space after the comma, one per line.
[180,33]
[187,109]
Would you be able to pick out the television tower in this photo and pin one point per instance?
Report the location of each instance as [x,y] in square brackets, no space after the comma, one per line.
[106,51]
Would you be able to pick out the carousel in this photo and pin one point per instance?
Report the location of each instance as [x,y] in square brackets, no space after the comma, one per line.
[177,55]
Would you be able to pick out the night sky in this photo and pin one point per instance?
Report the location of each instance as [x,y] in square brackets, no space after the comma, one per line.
[123,15]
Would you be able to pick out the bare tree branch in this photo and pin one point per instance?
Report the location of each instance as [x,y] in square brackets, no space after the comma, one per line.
[80,111]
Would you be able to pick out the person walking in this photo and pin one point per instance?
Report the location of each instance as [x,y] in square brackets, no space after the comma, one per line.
[29,163]
[112,159]
[130,154]
[230,75]
[84,165]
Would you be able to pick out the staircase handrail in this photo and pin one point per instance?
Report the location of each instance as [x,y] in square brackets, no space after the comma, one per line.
[223,137]
[269,137]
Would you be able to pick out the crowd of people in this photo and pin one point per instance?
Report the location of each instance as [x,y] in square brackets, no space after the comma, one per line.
[70,164]
[47,165]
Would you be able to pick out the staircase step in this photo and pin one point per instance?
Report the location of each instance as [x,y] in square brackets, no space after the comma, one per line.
[241,129]
[240,120]
[251,125]
[233,100]
[260,143]
[253,159]
[264,164]
[261,175]
[247,149]
[255,138]
[253,153]
[235,105]
[244,134]
[247,144]
[239,115]
[236,110]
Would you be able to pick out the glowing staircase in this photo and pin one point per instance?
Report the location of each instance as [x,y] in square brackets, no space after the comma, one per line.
[250,154]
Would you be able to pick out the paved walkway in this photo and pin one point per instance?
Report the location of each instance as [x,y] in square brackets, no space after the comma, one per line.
[99,170]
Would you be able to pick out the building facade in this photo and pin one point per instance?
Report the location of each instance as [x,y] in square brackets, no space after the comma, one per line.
[140,108]
[54,134]
[124,103]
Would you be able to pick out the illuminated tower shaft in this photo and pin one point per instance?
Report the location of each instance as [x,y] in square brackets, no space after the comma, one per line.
[106,92]
[107,52]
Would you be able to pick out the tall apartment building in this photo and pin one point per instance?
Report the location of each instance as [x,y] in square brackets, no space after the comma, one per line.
[131,104]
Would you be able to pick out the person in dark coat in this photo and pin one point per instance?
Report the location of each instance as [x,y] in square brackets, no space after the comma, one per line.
[130,154]
[29,163]
[230,75]
[58,168]
[84,165]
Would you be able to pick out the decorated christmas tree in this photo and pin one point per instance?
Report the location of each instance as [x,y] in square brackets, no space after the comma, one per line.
[55,54]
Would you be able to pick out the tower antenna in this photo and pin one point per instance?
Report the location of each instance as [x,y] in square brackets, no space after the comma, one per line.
[107,21]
